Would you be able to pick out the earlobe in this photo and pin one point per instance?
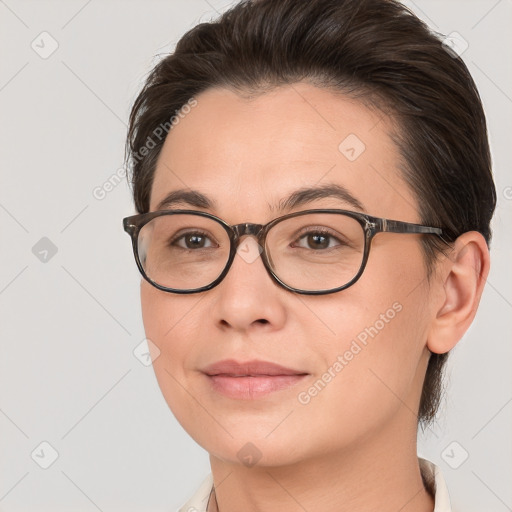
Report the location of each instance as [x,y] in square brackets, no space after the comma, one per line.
[461,281]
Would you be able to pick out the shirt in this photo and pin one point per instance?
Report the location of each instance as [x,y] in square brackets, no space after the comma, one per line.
[430,472]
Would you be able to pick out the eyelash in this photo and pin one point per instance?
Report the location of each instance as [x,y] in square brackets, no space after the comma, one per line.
[319,231]
[188,233]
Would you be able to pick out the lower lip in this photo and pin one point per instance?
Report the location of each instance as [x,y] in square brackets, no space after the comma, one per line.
[249,388]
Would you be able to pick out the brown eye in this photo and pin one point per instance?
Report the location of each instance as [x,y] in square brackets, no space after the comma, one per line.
[193,240]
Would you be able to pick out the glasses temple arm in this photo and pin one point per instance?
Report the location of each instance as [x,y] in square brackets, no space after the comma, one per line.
[396,226]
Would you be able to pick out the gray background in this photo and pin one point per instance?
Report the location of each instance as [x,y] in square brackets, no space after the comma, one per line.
[70,323]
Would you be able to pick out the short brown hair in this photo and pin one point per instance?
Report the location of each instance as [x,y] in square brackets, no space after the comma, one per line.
[375,50]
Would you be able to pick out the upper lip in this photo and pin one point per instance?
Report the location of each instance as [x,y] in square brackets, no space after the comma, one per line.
[232,368]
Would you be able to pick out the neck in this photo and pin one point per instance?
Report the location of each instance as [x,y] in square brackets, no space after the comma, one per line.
[381,474]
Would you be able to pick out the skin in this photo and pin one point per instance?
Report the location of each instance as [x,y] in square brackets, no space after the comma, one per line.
[353,446]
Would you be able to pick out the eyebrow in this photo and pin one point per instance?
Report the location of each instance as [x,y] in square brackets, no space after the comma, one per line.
[297,198]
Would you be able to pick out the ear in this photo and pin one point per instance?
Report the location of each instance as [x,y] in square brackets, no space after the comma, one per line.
[461,279]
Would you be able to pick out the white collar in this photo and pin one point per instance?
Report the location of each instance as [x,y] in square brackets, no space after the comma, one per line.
[199,501]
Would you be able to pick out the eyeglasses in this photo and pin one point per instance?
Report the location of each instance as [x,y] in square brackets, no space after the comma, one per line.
[311,252]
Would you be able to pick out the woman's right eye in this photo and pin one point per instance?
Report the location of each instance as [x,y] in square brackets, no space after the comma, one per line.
[192,240]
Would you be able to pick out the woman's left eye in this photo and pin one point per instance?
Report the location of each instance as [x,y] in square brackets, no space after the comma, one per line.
[318,240]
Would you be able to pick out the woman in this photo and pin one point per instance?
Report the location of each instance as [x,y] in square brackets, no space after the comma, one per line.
[269,153]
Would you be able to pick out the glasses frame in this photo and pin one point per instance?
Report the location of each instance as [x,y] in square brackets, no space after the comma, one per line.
[371,227]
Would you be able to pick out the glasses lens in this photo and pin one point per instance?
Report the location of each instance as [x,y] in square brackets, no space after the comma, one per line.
[316,252]
[183,251]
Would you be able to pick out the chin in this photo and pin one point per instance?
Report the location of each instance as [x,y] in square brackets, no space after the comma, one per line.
[255,453]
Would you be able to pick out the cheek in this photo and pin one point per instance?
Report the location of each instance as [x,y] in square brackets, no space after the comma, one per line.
[374,359]
[170,323]
[153,305]
[396,290]
[164,316]
[369,375]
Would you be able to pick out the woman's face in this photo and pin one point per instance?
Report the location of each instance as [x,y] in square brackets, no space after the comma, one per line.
[361,351]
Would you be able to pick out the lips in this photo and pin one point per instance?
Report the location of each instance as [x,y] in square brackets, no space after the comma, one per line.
[250,380]
[232,368]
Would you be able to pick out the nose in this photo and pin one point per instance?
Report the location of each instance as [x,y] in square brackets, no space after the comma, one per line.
[248,298]
[247,229]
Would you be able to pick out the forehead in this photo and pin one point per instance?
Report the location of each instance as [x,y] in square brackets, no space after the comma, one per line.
[248,154]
